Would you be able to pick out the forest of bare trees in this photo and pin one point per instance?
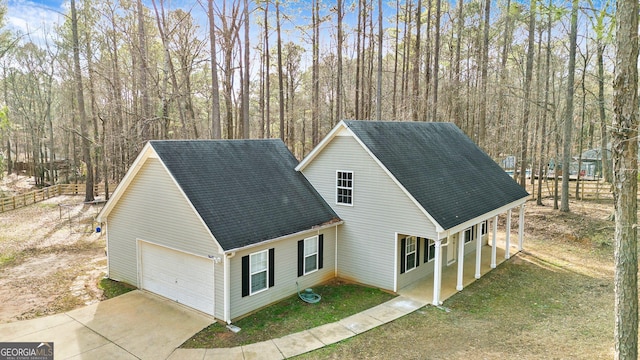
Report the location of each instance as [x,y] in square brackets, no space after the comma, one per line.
[517,77]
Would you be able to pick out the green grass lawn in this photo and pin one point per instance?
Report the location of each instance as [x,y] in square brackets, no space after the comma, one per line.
[291,315]
[112,288]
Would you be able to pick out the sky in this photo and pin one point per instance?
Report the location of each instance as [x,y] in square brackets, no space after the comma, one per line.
[36,18]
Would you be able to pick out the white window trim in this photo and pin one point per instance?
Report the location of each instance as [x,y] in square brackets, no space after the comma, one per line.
[317,254]
[344,187]
[407,253]
[251,273]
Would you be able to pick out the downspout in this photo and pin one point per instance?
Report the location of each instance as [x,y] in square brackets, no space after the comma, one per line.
[227,286]
[335,257]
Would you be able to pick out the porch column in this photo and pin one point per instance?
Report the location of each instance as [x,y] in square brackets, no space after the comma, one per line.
[459,285]
[493,242]
[478,250]
[521,228]
[437,273]
[507,251]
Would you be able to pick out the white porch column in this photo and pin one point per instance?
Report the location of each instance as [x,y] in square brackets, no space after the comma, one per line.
[437,273]
[507,251]
[459,285]
[493,242]
[478,250]
[521,228]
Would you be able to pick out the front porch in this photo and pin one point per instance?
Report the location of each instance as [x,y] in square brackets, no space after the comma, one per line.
[422,290]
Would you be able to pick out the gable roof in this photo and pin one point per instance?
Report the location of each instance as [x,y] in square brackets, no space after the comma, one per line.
[447,174]
[245,191]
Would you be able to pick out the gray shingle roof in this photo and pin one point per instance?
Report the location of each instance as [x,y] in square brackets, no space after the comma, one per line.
[246,191]
[447,173]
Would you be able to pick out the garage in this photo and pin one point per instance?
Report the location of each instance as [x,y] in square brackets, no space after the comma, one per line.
[176,275]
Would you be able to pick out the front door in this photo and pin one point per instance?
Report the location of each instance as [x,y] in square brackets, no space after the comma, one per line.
[452,249]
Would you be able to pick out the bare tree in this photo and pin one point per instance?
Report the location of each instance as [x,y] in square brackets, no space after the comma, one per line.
[624,136]
[568,115]
[215,94]
[86,142]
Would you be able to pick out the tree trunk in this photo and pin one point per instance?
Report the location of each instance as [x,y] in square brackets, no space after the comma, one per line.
[415,106]
[482,120]
[339,75]
[315,74]
[245,83]
[624,135]
[379,83]
[86,143]
[543,131]
[215,93]
[568,117]
[604,138]
[280,73]
[527,95]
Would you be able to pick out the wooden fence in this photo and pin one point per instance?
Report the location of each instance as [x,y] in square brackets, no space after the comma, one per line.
[32,197]
[588,189]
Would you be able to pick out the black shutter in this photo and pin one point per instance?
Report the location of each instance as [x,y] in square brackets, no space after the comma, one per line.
[418,251]
[403,252]
[320,251]
[300,258]
[272,262]
[245,276]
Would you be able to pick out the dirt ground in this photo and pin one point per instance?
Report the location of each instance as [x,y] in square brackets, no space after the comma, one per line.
[51,258]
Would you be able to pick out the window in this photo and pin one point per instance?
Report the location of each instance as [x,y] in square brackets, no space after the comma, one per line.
[429,250]
[470,234]
[310,254]
[258,270]
[344,187]
[410,254]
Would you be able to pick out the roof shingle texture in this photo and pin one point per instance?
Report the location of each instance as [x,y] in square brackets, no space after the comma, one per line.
[246,191]
[447,173]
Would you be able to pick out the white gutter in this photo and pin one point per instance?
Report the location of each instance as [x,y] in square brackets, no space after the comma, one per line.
[299,233]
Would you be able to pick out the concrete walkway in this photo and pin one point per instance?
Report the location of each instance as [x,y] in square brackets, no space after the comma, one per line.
[309,340]
[412,298]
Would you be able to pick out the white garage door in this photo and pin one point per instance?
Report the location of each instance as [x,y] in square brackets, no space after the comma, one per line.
[184,278]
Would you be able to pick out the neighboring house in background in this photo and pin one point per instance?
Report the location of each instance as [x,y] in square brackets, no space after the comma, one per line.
[412,195]
[225,227]
[229,226]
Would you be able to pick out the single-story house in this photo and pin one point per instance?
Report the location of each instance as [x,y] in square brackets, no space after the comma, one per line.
[222,226]
[230,226]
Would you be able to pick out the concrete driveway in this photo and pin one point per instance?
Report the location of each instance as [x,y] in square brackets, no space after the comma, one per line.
[136,325]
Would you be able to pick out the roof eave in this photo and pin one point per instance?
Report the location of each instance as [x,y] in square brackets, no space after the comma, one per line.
[317,228]
[488,215]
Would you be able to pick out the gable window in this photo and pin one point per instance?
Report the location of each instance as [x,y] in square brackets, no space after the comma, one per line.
[258,272]
[429,250]
[344,187]
[310,251]
[409,253]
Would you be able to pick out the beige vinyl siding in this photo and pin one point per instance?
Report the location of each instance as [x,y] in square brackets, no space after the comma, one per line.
[380,209]
[286,273]
[153,209]
[424,269]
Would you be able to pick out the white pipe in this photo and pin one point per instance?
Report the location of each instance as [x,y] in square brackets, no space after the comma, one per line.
[227,286]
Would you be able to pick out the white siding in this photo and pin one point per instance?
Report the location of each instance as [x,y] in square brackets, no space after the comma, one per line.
[367,247]
[286,273]
[154,209]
